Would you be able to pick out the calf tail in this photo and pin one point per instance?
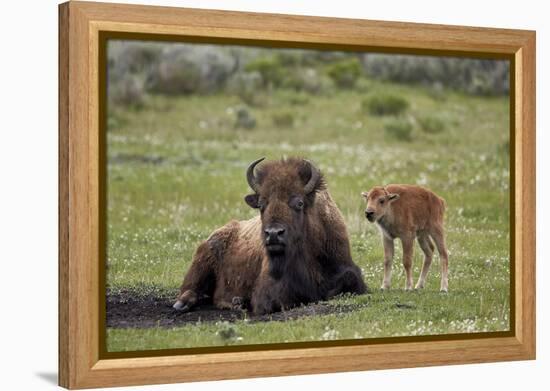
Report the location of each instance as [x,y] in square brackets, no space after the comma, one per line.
[437,209]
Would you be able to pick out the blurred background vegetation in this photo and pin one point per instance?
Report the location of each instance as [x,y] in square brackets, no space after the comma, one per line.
[185,120]
[138,69]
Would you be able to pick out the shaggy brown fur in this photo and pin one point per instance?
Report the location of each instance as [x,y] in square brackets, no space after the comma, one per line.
[408,212]
[295,252]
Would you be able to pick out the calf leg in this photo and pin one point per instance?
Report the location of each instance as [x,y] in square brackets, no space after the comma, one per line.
[388,259]
[428,248]
[439,239]
[199,280]
[408,249]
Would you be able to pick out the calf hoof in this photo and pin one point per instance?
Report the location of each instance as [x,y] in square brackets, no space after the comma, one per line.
[444,290]
[444,285]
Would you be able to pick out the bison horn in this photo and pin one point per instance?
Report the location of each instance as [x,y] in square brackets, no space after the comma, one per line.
[252,182]
[310,185]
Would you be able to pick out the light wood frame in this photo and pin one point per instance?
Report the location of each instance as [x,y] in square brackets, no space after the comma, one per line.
[80,24]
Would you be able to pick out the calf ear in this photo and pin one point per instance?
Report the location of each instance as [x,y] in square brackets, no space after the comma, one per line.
[365,194]
[393,197]
[252,200]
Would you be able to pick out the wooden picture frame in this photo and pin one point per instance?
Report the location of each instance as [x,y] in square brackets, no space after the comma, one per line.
[82,27]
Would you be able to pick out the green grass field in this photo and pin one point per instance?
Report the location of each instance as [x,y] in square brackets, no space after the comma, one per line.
[176,171]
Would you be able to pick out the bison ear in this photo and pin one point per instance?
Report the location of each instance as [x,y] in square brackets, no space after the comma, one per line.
[365,194]
[252,200]
[393,197]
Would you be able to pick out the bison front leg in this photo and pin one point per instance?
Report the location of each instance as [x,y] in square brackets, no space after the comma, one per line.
[265,306]
[186,300]
[199,280]
[266,297]
[348,281]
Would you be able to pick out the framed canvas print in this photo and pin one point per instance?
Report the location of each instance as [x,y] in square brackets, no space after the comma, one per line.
[247,195]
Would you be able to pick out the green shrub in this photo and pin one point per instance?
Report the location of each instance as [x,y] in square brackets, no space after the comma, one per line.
[432,125]
[298,99]
[131,58]
[345,73]
[473,76]
[399,129]
[245,119]
[128,92]
[289,58]
[304,79]
[139,57]
[185,69]
[283,120]
[271,70]
[248,87]
[437,92]
[385,105]
[174,79]
[254,99]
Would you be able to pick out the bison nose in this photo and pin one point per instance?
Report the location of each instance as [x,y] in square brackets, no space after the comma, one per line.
[369,214]
[274,234]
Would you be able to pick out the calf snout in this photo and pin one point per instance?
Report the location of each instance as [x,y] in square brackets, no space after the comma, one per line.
[275,234]
[369,214]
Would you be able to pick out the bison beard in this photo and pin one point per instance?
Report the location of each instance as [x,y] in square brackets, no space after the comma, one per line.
[296,252]
[287,260]
[277,264]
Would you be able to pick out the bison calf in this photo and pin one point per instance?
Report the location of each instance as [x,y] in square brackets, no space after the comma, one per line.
[408,212]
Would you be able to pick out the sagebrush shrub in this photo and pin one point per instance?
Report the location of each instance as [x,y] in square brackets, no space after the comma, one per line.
[399,129]
[283,120]
[271,70]
[345,73]
[431,124]
[385,105]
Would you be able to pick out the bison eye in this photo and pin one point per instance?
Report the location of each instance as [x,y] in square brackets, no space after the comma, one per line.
[381,201]
[296,203]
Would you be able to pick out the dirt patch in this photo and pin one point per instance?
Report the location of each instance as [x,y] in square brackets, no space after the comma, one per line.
[129,309]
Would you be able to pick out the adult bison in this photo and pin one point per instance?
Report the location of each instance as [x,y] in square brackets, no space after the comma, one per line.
[295,252]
